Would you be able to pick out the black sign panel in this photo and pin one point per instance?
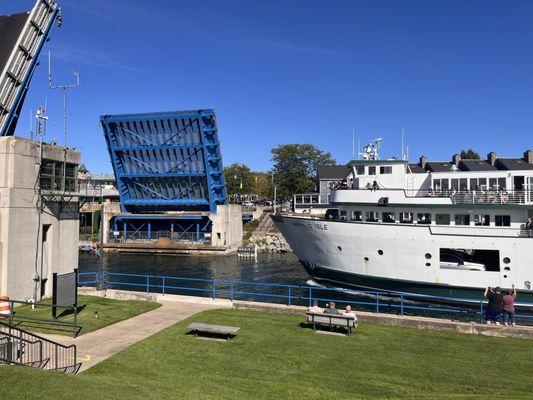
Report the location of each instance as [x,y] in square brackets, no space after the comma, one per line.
[65,290]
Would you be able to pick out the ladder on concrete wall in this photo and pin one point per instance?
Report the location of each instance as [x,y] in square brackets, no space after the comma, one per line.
[20,347]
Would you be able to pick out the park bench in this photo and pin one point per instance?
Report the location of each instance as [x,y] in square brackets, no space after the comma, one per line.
[227,331]
[331,320]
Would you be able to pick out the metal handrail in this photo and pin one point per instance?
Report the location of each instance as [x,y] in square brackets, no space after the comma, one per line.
[224,289]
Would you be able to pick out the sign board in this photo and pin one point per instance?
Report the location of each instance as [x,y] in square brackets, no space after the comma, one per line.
[65,290]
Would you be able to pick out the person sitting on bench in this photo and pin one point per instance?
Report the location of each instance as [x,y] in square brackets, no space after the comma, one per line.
[331,309]
[315,308]
[348,312]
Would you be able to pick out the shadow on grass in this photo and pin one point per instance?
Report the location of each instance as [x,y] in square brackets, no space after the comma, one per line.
[70,311]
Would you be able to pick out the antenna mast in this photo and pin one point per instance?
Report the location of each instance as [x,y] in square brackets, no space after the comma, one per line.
[64,88]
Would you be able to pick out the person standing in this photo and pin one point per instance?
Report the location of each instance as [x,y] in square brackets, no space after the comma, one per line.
[493,314]
[508,307]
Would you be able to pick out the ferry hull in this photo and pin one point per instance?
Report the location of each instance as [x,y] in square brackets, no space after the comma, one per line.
[381,257]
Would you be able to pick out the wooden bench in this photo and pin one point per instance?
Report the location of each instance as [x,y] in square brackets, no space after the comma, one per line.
[332,320]
[227,331]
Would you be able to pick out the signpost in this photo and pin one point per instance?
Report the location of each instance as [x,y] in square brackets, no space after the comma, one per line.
[65,291]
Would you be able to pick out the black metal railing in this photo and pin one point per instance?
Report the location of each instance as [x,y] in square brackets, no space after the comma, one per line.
[20,347]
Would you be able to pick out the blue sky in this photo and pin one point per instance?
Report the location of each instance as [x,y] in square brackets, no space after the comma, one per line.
[454,74]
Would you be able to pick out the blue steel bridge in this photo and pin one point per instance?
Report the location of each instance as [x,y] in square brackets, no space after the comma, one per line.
[166,164]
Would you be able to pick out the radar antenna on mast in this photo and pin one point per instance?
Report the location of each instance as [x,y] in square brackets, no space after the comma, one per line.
[371,150]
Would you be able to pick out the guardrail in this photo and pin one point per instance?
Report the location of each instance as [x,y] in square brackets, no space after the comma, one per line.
[374,301]
[20,347]
[19,316]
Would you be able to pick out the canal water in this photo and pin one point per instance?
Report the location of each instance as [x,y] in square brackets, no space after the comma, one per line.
[272,268]
[280,269]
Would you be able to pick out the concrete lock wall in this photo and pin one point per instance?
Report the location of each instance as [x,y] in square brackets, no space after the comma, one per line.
[227,226]
[33,244]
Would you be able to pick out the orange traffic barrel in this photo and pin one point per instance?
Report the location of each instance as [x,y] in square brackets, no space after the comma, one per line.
[4,307]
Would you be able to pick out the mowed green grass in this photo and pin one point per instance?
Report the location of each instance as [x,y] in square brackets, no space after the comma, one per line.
[109,312]
[274,357]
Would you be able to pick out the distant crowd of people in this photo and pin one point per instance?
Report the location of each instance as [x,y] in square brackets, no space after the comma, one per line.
[331,309]
[500,305]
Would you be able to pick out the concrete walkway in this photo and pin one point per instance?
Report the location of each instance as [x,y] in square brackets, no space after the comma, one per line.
[98,345]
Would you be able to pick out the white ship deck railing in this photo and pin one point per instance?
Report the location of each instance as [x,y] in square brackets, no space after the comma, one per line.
[477,196]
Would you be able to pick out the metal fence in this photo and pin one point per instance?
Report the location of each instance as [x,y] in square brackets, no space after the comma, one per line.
[20,347]
[20,314]
[304,295]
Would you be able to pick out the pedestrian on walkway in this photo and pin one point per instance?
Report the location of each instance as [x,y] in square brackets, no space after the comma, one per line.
[493,313]
[508,307]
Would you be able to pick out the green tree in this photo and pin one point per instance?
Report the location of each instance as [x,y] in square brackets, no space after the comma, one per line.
[239,179]
[295,167]
[470,155]
[263,185]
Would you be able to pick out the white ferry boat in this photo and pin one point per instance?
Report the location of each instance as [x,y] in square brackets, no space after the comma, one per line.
[433,228]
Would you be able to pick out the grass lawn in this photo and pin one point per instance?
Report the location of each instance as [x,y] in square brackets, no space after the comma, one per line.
[109,312]
[273,357]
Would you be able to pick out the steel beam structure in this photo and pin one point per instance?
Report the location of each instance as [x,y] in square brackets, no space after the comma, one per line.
[22,37]
[166,161]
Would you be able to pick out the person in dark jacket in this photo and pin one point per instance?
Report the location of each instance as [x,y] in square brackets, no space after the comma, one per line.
[493,313]
[331,309]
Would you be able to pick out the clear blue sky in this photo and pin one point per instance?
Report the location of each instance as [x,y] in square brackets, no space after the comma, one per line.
[453,74]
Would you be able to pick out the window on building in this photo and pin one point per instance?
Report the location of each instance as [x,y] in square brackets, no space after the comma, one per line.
[383,170]
[388,217]
[406,218]
[360,169]
[463,184]
[462,219]
[371,170]
[442,219]
[423,218]
[482,183]
[372,216]
[357,216]
[482,220]
[502,220]
[51,176]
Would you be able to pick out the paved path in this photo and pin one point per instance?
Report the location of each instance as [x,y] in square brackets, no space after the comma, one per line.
[96,346]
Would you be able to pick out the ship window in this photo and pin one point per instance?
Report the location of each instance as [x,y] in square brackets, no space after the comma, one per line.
[371,170]
[428,256]
[343,215]
[357,216]
[482,220]
[501,184]
[385,170]
[462,219]
[502,220]
[437,185]
[469,259]
[339,249]
[455,184]
[482,182]
[360,169]
[388,217]
[406,218]
[463,184]
[423,218]
[380,252]
[442,219]
[506,260]
[372,216]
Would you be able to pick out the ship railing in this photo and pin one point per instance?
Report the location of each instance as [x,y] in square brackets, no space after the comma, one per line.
[501,197]
[376,301]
